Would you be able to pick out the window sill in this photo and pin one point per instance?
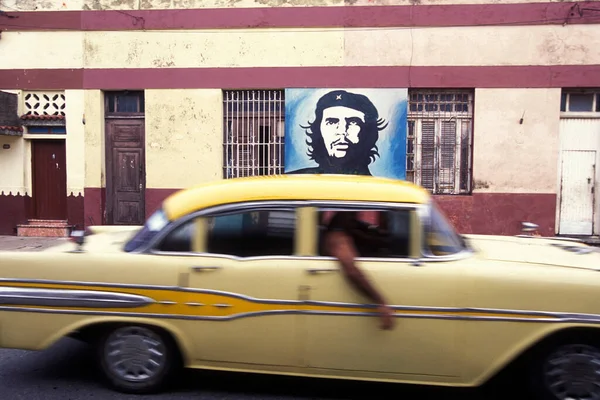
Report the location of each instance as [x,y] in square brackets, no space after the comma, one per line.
[589,114]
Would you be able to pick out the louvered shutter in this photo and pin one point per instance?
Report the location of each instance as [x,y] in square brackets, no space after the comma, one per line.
[447,155]
[428,154]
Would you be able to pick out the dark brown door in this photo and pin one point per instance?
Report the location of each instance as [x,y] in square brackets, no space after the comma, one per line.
[49,179]
[125,172]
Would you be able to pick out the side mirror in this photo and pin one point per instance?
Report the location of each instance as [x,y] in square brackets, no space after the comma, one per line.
[78,237]
[529,227]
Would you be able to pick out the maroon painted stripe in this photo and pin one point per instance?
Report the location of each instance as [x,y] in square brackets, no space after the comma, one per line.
[290,77]
[307,17]
[43,79]
[41,20]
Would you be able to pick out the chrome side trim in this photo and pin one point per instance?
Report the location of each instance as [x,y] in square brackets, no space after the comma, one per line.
[294,258]
[567,239]
[87,284]
[150,287]
[222,305]
[575,249]
[195,304]
[70,298]
[20,296]
[567,318]
[425,259]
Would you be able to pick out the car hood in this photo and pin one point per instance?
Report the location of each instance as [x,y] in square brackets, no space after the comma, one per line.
[536,250]
[102,238]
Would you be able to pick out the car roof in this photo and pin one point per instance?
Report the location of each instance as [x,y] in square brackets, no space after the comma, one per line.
[297,187]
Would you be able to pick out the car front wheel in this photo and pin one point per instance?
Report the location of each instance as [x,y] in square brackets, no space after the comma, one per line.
[568,371]
[137,359]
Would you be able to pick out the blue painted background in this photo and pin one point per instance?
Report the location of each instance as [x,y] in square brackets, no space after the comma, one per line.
[390,103]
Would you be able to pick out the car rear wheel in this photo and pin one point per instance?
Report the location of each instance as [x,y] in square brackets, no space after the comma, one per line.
[137,359]
[568,371]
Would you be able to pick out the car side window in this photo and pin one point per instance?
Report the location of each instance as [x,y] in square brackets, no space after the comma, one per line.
[377,234]
[440,238]
[264,232]
[179,239]
[252,234]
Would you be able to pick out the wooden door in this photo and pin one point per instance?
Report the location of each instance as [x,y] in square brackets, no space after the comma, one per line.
[49,179]
[579,176]
[125,172]
[577,192]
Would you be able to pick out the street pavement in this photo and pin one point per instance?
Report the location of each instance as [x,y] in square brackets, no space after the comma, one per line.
[19,243]
[68,371]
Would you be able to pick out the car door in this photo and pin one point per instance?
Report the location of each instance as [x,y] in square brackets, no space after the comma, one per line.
[241,286]
[344,334]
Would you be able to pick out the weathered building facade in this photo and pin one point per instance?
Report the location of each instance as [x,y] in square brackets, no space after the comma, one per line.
[123,102]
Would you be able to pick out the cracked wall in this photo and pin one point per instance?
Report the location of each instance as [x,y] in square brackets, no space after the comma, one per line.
[183,137]
[510,157]
[470,46]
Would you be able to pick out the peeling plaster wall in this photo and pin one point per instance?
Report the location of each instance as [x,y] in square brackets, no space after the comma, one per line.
[226,48]
[538,45]
[41,5]
[183,137]
[13,164]
[497,45]
[94,139]
[53,5]
[75,142]
[509,157]
[42,49]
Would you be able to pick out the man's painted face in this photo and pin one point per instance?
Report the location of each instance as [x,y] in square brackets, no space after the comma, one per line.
[340,127]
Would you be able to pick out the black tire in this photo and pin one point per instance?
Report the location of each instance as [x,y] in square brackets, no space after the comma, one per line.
[574,361]
[137,359]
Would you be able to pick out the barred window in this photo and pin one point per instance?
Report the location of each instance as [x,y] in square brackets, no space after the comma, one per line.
[253,132]
[439,140]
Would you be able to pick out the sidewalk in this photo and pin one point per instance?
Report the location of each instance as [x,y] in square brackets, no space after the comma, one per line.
[20,243]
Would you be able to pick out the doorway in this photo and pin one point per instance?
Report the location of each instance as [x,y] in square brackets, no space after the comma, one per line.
[125,172]
[125,158]
[49,179]
[579,174]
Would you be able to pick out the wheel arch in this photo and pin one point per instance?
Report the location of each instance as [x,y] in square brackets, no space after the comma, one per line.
[531,346]
[92,328]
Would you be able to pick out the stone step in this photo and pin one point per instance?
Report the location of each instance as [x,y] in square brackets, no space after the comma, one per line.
[44,228]
[47,222]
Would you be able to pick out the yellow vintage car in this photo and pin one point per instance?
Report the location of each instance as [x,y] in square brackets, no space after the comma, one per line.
[231,275]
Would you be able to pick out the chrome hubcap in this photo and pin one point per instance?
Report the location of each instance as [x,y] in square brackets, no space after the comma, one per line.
[573,373]
[135,354]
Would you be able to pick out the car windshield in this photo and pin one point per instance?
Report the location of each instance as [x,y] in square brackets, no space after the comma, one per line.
[153,225]
[440,237]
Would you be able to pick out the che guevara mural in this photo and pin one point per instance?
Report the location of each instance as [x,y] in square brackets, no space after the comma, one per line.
[346,131]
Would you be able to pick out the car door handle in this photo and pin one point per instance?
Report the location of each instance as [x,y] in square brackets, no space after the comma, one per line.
[321,270]
[204,268]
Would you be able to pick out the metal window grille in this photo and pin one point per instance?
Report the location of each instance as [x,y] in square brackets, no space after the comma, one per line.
[253,132]
[439,140]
